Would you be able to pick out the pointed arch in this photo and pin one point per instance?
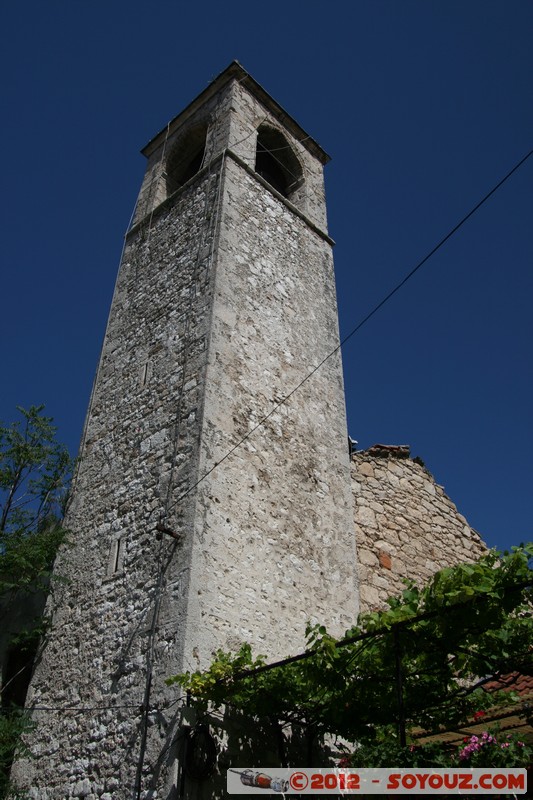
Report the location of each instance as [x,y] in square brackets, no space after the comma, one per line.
[276,161]
[185,158]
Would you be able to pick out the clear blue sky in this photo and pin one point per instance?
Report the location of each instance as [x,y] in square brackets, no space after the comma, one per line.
[423,107]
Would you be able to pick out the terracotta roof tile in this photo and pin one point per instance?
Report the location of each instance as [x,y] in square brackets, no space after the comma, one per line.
[513,682]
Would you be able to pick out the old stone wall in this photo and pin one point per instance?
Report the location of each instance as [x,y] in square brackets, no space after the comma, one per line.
[232,116]
[249,114]
[406,526]
[142,436]
[274,520]
[214,115]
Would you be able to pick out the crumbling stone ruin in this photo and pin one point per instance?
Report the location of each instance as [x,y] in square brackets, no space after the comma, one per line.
[406,526]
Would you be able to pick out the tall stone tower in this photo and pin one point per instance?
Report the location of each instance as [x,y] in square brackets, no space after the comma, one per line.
[205,512]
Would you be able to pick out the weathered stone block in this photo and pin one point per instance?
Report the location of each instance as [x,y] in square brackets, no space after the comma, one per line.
[418,531]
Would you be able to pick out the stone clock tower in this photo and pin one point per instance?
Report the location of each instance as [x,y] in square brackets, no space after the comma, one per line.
[212,502]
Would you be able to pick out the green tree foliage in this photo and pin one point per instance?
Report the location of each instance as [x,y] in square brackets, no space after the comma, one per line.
[417,663]
[12,728]
[34,473]
[489,749]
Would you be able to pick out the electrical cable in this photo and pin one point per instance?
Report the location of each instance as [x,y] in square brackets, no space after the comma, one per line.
[176,442]
[354,330]
[285,147]
[86,709]
[431,253]
[363,640]
[153,183]
[212,229]
[248,673]
[330,354]
[284,166]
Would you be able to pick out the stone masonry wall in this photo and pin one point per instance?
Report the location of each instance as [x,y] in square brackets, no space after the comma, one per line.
[249,114]
[232,117]
[274,525]
[406,525]
[142,436]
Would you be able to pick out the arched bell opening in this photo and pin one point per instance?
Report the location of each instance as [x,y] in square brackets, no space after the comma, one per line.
[276,162]
[186,158]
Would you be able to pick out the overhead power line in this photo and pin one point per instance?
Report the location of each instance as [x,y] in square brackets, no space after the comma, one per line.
[354,330]
[427,257]
[7,710]
[372,634]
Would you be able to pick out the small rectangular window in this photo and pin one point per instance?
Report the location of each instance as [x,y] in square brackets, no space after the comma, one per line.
[116,557]
[145,373]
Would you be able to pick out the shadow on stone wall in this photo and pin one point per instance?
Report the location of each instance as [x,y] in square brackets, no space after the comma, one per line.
[206,747]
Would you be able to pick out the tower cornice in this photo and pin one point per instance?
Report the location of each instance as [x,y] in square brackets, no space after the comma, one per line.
[131,232]
[236,72]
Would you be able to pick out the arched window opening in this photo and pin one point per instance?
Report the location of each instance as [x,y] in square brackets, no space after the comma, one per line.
[276,162]
[186,158]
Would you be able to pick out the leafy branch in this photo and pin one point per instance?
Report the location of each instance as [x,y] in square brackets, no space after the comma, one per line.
[34,473]
[468,621]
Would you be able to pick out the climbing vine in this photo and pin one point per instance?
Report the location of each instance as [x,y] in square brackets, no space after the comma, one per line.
[419,661]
